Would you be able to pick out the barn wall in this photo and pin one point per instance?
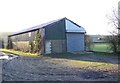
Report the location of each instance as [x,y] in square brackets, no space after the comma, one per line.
[23,37]
[74,36]
[55,34]
[21,45]
[22,41]
[47,46]
[55,31]
[58,46]
[55,46]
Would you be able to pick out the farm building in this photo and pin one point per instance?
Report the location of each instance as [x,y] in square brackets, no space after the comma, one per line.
[58,36]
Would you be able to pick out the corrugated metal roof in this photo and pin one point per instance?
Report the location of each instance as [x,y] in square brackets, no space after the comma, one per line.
[40,26]
[35,27]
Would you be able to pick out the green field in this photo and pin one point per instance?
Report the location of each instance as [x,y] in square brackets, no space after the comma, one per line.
[101,47]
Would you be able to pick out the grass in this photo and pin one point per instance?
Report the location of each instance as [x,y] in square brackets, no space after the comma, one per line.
[20,52]
[102,47]
[92,65]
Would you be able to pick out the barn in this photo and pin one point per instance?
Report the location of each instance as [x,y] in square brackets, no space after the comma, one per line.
[58,36]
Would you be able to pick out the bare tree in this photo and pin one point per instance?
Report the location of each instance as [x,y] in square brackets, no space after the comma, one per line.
[119,26]
[113,41]
[114,20]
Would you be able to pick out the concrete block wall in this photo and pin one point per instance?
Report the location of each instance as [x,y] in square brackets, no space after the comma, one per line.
[58,46]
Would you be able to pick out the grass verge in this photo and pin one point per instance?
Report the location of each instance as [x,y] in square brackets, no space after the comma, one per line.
[20,52]
[102,47]
[92,65]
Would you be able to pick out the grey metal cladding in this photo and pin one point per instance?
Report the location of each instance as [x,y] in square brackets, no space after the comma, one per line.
[55,31]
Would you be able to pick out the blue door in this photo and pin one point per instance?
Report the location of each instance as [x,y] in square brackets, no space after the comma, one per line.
[75,42]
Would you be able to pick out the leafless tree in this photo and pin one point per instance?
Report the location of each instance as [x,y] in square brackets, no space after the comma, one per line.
[114,40]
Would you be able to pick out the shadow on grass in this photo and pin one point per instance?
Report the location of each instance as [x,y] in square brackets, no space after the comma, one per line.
[90,57]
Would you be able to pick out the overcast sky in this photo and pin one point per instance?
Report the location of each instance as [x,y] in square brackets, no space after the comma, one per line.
[16,15]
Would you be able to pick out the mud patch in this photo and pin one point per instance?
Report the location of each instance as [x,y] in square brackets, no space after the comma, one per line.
[94,75]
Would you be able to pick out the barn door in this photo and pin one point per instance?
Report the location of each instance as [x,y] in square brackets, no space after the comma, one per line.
[75,42]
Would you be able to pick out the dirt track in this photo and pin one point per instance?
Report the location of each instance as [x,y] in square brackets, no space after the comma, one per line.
[79,68]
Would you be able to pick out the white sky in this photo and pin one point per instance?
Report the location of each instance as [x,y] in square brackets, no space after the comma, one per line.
[16,15]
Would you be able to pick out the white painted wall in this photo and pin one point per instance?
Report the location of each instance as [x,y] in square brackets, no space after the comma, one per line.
[71,27]
[47,46]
